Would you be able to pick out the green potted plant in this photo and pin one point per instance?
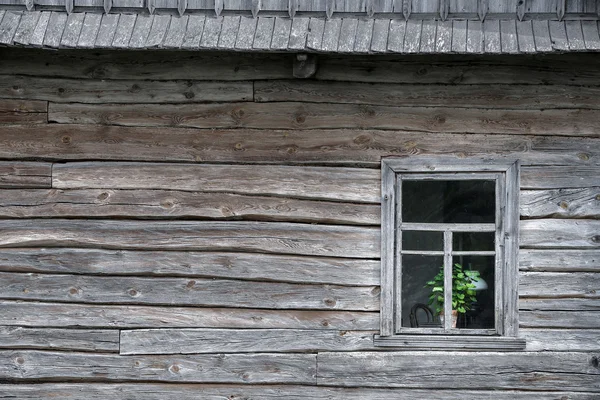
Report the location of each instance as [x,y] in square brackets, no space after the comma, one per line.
[463,291]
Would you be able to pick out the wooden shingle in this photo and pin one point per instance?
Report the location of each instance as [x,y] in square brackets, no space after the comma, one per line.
[89,30]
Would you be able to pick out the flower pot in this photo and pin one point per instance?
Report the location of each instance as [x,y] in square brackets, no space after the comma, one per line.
[454,318]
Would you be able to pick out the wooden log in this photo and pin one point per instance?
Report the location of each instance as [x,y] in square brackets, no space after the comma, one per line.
[269,267]
[160,391]
[100,203]
[121,91]
[467,96]
[559,260]
[561,339]
[326,183]
[266,237]
[559,284]
[559,304]
[25,175]
[187,292]
[23,112]
[33,314]
[483,370]
[194,341]
[32,365]
[177,65]
[561,203]
[98,340]
[298,115]
[560,319]
[557,233]
[558,177]
[349,147]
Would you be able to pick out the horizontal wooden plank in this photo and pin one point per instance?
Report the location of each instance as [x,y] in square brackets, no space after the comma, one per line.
[463,69]
[192,341]
[186,292]
[347,184]
[465,96]
[300,269]
[122,91]
[154,391]
[298,115]
[560,233]
[17,337]
[25,174]
[35,314]
[557,177]
[560,319]
[521,370]
[575,304]
[559,260]
[215,368]
[23,112]
[559,284]
[267,237]
[163,204]
[561,203]
[350,147]
[141,65]
[561,339]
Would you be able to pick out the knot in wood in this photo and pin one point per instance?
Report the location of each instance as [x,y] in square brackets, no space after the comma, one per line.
[61,90]
[324,323]
[20,360]
[300,118]
[66,139]
[362,140]
[596,239]
[133,293]
[595,362]
[583,156]
[103,196]
[330,302]
[189,95]
[190,284]
[75,291]
[564,205]
[174,368]
[238,147]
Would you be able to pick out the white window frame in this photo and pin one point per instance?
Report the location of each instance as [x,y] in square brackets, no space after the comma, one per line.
[505,173]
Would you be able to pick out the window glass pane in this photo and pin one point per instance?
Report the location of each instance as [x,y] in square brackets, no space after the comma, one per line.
[473,291]
[417,270]
[468,201]
[473,241]
[422,240]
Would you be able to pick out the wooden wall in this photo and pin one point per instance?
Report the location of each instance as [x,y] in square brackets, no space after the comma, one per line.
[205,226]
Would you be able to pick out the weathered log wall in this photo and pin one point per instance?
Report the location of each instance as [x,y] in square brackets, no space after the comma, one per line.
[205,226]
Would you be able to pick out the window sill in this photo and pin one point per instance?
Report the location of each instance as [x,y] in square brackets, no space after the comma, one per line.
[450,342]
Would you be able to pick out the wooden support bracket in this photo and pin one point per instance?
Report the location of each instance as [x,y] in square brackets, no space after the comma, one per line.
[305,65]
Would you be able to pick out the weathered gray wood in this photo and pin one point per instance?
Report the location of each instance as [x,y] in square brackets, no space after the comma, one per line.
[492,96]
[229,32]
[89,31]
[428,32]
[443,41]
[148,391]
[571,306]
[303,269]
[339,147]
[8,26]
[245,36]
[348,35]
[561,177]
[412,39]
[281,33]
[395,41]
[124,30]
[23,112]
[379,37]
[25,174]
[108,28]
[450,342]
[142,27]
[557,233]
[352,184]
[561,339]
[272,237]
[561,203]
[459,36]
[508,37]
[193,33]
[35,203]
[560,319]
[72,30]
[37,36]
[523,370]
[160,24]
[102,316]
[54,30]
[214,368]
[388,256]
[175,34]
[491,32]
[560,260]
[212,30]
[364,32]
[124,91]
[16,337]
[263,33]
[331,34]
[558,35]
[299,33]
[590,35]
[26,27]
[198,292]
[575,35]
[315,33]
[197,341]
[559,284]
[525,36]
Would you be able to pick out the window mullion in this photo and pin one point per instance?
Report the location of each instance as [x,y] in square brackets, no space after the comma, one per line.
[447,280]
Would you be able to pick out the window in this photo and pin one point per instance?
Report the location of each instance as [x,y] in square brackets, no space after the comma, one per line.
[449,254]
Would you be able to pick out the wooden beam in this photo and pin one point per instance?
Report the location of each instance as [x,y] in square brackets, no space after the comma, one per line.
[98,340]
[557,233]
[561,203]
[25,174]
[559,260]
